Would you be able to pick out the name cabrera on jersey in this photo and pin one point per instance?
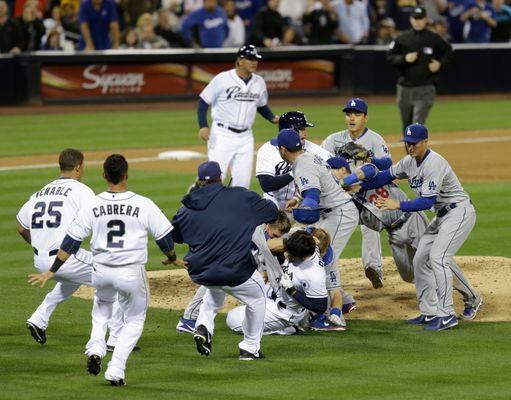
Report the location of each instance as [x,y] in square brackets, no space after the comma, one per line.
[269,162]
[371,140]
[49,212]
[311,172]
[119,223]
[308,277]
[233,101]
[432,177]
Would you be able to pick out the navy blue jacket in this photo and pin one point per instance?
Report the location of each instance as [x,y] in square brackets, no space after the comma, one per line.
[217,223]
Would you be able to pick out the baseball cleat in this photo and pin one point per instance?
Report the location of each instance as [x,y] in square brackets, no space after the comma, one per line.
[421,319]
[320,323]
[469,313]
[349,307]
[94,364]
[119,382]
[37,333]
[248,356]
[185,325]
[376,277]
[442,323]
[203,340]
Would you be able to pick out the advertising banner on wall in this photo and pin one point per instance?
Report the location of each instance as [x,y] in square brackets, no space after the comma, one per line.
[113,80]
[280,76]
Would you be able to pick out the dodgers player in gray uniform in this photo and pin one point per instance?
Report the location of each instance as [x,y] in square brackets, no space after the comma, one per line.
[356,118]
[317,189]
[119,221]
[235,96]
[302,289]
[42,222]
[433,180]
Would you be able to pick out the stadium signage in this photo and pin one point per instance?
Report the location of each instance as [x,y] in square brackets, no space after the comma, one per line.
[97,77]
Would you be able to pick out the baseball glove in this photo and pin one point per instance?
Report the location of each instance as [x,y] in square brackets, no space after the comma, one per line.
[353,151]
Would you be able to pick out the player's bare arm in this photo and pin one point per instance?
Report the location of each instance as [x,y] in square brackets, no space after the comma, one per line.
[204,133]
[62,257]
[293,203]
[25,234]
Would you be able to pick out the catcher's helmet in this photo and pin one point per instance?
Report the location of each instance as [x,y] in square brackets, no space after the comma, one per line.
[294,120]
[306,215]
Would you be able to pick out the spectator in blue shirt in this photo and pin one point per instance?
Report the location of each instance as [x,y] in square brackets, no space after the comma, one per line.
[99,25]
[209,22]
[481,18]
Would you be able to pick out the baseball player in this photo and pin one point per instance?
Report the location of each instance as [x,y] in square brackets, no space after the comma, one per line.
[270,231]
[272,171]
[332,209]
[301,289]
[234,97]
[119,221]
[42,222]
[218,223]
[356,119]
[433,180]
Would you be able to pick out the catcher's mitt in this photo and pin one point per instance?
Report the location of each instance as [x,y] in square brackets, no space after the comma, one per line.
[353,151]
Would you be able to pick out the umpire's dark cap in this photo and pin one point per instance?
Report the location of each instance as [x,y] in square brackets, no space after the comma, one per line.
[338,162]
[249,52]
[209,170]
[415,133]
[288,138]
[419,12]
[356,104]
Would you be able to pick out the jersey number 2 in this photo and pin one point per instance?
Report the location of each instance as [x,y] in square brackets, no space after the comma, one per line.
[117,230]
[54,215]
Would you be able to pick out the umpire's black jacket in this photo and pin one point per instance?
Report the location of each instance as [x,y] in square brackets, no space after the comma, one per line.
[217,223]
[429,45]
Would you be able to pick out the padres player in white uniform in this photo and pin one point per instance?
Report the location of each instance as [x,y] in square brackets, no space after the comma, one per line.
[119,221]
[356,119]
[43,221]
[318,188]
[272,171]
[234,96]
[302,288]
[437,186]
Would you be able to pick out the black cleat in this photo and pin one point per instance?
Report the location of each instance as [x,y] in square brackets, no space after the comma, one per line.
[248,356]
[94,364]
[203,340]
[37,333]
[120,382]
[376,277]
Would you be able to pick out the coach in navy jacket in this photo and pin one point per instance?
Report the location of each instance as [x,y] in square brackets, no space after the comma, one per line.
[217,223]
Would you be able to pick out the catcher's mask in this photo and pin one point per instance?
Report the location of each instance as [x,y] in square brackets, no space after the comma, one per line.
[294,120]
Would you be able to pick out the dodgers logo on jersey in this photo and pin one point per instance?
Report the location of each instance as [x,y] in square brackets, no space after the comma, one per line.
[415,182]
[304,181]
[432,185]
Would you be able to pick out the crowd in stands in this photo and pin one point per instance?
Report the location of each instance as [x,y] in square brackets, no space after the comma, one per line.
[29,25]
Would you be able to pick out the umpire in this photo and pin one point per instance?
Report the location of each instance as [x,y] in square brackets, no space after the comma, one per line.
[419,55]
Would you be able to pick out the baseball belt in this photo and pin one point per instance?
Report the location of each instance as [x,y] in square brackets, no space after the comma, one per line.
[51,253]
[445,209]
[235,130]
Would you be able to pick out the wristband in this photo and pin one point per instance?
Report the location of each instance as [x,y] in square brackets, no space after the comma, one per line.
[56,265]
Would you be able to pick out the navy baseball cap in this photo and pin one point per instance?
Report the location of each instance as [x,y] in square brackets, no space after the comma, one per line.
[414,133]
[209,170]
[249,52]
[357,105]
[419,12]
[288,138]
[338,162]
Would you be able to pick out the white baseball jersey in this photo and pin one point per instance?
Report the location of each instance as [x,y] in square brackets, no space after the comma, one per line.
[119,223]
[371,140]
[269,162]
[312,172]
[432,177]
[49,212]
[234,102]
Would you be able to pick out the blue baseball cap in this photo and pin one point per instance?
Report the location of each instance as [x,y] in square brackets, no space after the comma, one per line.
[288,138]
[357,105]
[415,133]
[338,162]
[209,170]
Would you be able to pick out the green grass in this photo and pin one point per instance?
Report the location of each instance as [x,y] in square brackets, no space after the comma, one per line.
[372,360]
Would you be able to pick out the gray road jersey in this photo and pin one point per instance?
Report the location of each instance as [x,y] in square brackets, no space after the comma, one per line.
[371,140]
[310,171]
[432,177]
[374,218]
